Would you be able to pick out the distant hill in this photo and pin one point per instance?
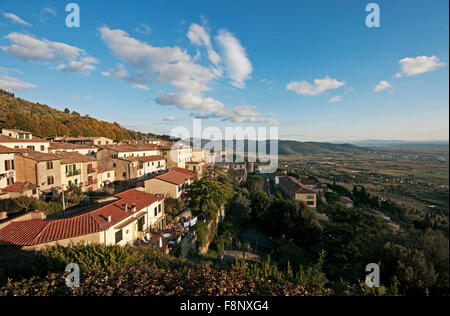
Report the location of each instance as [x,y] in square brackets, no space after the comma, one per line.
[45,121]
[291,147]
[401,143]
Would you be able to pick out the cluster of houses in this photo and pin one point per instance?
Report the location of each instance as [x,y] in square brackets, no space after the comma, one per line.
[150,170]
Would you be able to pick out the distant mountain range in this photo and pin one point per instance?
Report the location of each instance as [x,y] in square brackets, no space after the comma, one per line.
[378,142]
[291,147]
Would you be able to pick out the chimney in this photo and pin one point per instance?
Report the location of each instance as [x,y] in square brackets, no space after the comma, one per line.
[133,208]
[126,207]
[109,219]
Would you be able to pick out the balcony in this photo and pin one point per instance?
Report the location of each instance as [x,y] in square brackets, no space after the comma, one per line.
[73,173]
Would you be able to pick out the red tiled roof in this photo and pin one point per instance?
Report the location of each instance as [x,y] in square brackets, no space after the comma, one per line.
[182,170]
[20,187]
[117,208]
[73,157]
[62,146]
[7,139]
[124,147]
[176,176]
[294,186]
[38,156]
[22,233]
[37,231]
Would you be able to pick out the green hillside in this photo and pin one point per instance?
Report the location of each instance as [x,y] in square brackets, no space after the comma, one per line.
[45,121]
[290,147]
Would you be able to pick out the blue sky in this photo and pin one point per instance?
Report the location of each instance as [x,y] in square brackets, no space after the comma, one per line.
[312,68]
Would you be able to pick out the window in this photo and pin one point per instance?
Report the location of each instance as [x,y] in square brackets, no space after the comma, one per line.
[140,224]
[159,208]
[99,142]
[7,165]
[50,180]
[310,202]
[76,181]
[42,148]
[107,142]
[310,197]
[156,211]
[108,175]
[124,174]
[119,236]
[70,183]
[49,165]
[114,165]
[27,136]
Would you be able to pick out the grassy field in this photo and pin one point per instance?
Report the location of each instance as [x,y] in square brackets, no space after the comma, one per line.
[416,177]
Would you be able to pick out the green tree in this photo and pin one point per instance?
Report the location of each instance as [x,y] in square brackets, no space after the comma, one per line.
[207,196]
[255,183]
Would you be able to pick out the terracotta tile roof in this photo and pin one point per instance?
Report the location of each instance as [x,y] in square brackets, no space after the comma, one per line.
[62,146]
[182,170]
[293,185]
[36,231]
[23,233]
[20,187]
[38,156]
[117,208]
[176,176]
[73,157]
[123,147]
[16,130]
[79,138]
[7,139]
[7,150]
[103,168]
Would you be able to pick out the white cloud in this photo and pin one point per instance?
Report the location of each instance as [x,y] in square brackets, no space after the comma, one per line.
[13,84]
[174,66]
[45,14]
[15,19]
[415,66]
[85,65]
[158,64]
[143,29]
[120,72]
[202,106]
[335,99]
[382,85]
[237,65]
[29,48]
[319,86]
[141,87]
[199,36]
